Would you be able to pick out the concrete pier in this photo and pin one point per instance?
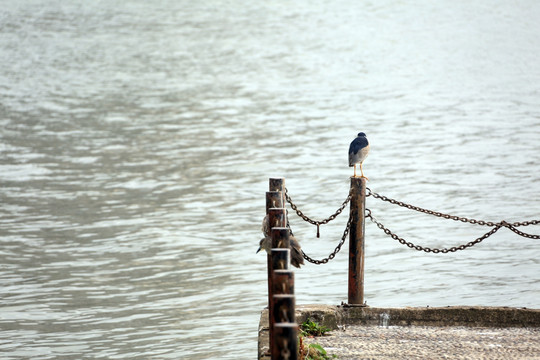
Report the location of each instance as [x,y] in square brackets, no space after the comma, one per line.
[457,332]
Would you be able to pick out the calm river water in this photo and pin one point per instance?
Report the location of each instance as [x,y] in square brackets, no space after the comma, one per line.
[137,139]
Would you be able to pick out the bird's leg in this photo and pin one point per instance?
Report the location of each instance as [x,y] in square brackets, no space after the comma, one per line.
[354,170]
[362,172]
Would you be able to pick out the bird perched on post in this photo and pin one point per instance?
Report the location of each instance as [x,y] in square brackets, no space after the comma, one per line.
[358,151]
[266,243]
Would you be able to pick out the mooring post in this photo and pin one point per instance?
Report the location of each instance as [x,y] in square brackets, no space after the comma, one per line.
[281,284]
[282,277]
[275,199]
[284,344]
[276,218]
[356,241]
[278,184]
[286,337]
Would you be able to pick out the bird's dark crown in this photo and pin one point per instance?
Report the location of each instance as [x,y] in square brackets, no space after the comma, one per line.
[361,134]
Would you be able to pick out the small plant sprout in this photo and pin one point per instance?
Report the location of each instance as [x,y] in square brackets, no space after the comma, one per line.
[312,328]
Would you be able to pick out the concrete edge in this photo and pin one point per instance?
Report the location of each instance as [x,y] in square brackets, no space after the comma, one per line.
[473,316]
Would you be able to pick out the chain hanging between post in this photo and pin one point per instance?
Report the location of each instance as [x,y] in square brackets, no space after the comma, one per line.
[520,233]
[450,217]
[316,222]
[430,250]
[336,250]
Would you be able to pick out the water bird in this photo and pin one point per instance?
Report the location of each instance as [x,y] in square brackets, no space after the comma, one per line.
[265,243]
[358,151]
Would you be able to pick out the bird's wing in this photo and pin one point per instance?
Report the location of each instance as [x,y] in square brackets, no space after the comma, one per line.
[356,145]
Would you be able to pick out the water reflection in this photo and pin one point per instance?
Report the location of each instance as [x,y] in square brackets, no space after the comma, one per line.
[137,142]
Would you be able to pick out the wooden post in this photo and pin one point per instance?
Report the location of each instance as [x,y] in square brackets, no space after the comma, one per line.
[356,241]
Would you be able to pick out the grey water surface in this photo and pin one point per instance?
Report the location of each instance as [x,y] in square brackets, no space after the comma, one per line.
[137,139]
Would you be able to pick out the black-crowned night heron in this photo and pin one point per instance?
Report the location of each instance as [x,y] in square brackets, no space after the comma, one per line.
[266,243]
[358,151]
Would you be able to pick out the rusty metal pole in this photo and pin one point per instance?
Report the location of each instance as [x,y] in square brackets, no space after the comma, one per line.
[283,301]
[288,350]
[276,218]
[280,240]
[281,246]
[278,184]
[281,258]
[281,305]
[283,282]
[275,199]
[356,241]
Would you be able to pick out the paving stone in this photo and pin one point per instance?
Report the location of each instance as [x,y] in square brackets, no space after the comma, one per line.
[420,333]
[429,342]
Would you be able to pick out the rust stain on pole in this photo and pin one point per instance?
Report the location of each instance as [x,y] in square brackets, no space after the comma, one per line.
[281,259]
[276,218]
[356,242]
[283,345]
[279,234]
[283,282]
[286,349]
[277,184]
[284,308]
[275,198]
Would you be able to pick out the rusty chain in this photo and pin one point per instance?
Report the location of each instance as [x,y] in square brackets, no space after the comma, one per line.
[336,250]
[452,217]
[322,222]
[428,249]
[429,212]
[512,227]
[315,222]
[495,226]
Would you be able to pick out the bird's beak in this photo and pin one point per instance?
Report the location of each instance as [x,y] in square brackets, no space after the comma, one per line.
[260,247]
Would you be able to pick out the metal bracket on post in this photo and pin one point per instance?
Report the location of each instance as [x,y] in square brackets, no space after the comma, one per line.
[283,305]
[276,218]
[281,302]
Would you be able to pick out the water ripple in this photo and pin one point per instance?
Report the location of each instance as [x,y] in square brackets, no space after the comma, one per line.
[137,141]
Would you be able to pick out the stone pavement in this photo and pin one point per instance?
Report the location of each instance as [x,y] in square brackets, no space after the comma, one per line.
[421,333]
[430,342]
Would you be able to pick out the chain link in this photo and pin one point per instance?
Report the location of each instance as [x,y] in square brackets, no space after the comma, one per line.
[495,226]
[430,212]
[388,232]
[319,223]
[520,233]
[525,223]
[315,222]
[453,217]
[336,250]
